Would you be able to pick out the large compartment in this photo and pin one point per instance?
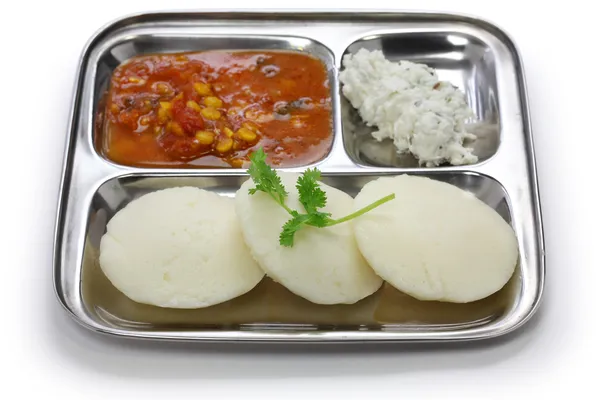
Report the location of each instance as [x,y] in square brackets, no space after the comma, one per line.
[270,308]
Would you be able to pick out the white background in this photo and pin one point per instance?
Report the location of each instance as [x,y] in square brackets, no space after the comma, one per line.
[45,354]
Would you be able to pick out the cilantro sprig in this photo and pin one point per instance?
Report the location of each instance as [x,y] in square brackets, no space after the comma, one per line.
[310,194]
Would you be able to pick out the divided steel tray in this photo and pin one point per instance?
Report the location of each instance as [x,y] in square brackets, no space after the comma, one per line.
[473,54]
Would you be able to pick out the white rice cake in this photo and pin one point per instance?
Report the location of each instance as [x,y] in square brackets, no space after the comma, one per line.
[324,265]
[435,241]
[178,248]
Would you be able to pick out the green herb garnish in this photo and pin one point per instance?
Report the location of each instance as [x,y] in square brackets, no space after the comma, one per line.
[311,196]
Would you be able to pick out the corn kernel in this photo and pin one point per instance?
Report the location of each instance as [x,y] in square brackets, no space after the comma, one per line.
[134,79]
[163,116]
[228,132]
[203,89]
[224,145]
[114,108]
[246,135]
[251,114]
[211,113]
[237,163]
[193,105]
[175,128]
[205,137]
[163,88]
[212,101]
[250,126]
[166,105]
[144,121]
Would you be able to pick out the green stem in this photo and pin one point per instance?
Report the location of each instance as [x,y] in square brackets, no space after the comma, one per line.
[281,203]
[363,210]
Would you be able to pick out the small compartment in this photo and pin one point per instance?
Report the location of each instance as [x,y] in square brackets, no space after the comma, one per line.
[251,78]
[464,60]
[270,307]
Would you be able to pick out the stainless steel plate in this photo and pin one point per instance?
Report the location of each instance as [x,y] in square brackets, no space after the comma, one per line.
[473,54]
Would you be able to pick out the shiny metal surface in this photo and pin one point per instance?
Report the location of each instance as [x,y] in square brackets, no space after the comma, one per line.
[473,54]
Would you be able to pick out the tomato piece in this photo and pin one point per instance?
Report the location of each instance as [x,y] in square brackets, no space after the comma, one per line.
[182,148]
[129,118]
[189,119]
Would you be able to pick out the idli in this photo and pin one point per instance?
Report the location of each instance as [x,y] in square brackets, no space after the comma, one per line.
[178,248]
[324,265]
[435,241]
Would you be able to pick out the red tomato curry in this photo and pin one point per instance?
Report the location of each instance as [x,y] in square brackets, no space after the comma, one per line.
[211,109]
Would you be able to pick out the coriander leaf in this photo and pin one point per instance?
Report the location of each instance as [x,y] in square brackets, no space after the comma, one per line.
[319,219]
[286,237]
[265,178]
[310,194]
